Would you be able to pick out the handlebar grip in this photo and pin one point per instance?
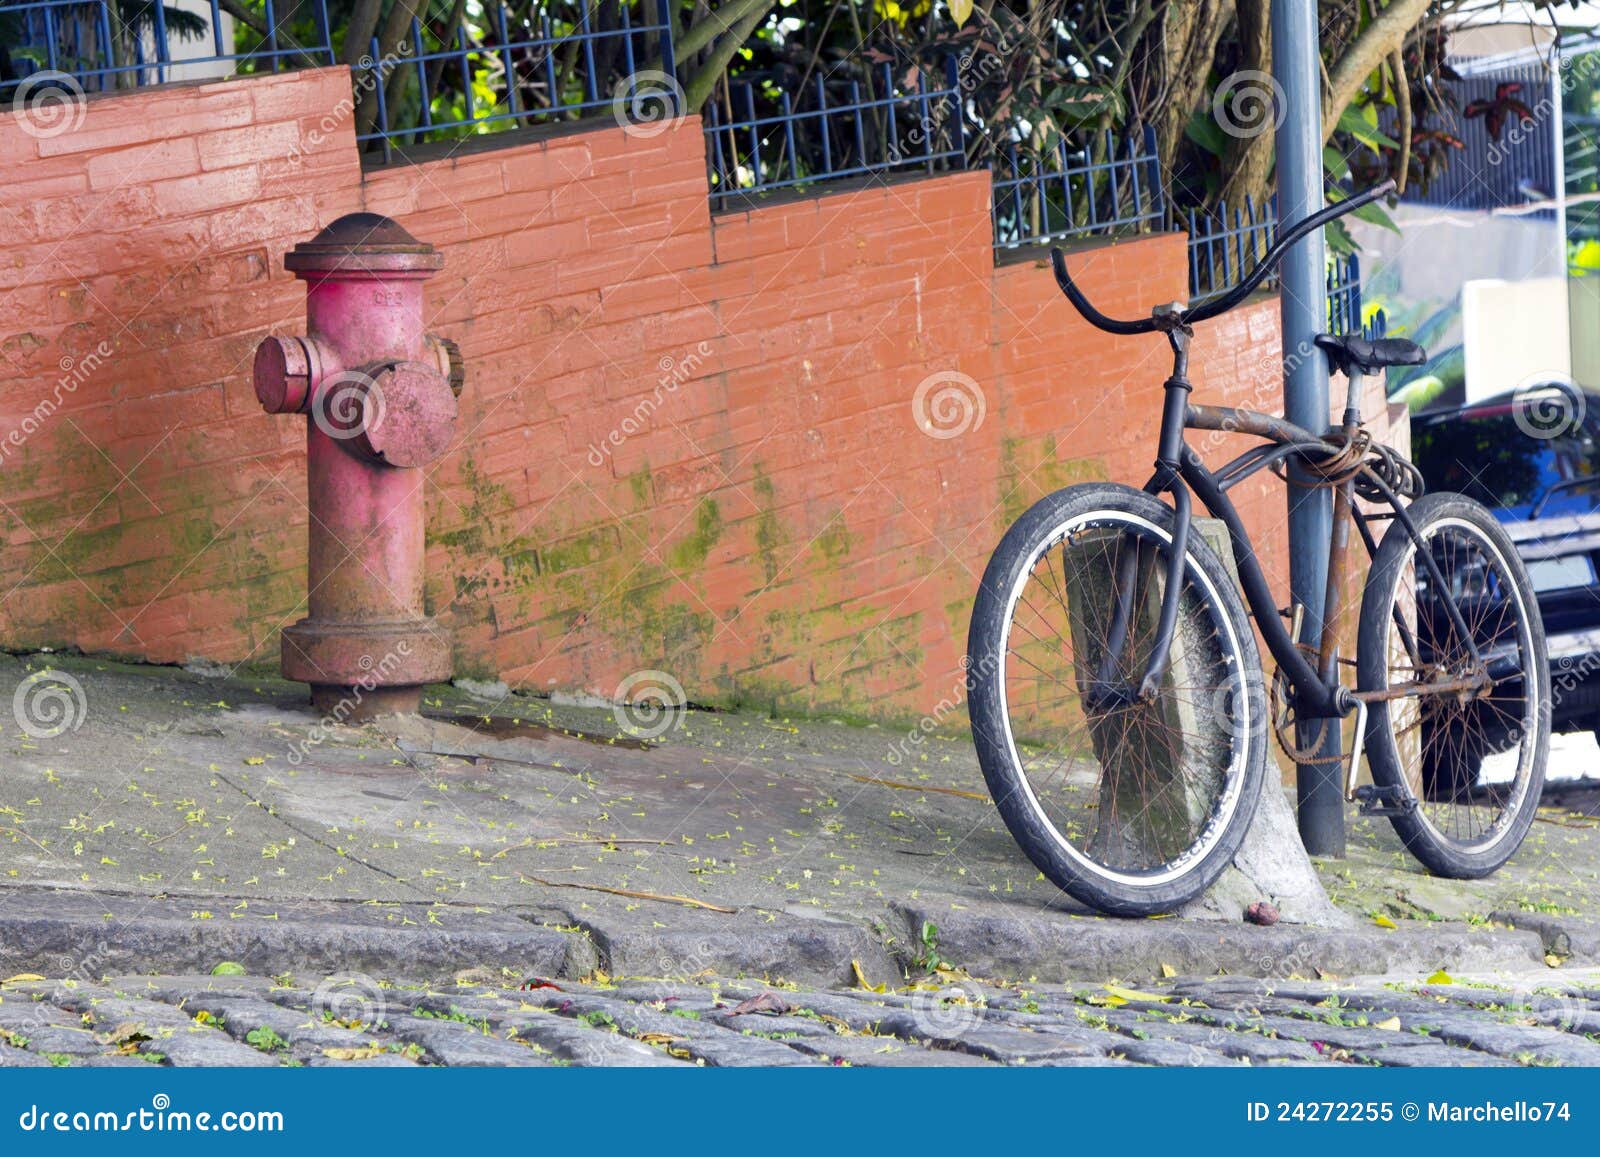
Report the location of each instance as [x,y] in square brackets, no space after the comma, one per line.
[1093,316]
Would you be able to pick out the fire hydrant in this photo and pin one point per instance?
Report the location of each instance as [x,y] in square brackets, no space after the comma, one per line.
[379,397]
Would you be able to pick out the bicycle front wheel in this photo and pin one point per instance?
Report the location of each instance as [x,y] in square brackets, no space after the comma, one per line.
[1464,739]
[1131,804]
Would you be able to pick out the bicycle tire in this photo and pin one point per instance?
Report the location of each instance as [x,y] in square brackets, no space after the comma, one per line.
[1120,515]
[1444,769]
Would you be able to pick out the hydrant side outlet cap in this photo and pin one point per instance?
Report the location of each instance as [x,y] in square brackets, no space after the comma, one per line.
[360,243]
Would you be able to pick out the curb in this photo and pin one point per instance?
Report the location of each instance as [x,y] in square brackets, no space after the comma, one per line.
[1060,948]
[63,934]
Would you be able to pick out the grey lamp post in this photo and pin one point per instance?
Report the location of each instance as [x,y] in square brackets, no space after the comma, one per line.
[1297,69]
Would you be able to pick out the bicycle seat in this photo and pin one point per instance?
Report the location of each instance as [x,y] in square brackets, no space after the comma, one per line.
[1350,351]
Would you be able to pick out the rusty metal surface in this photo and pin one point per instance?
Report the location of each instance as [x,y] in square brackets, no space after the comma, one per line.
[379,399]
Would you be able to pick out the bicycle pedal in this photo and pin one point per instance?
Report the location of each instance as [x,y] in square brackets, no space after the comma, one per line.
[1385,801]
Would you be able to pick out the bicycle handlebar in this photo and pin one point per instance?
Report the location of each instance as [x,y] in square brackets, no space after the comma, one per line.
[1235,295]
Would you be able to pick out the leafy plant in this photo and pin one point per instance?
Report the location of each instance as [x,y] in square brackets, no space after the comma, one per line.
[265,1039]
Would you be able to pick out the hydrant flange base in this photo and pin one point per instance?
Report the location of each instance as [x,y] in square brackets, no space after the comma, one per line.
[369,656]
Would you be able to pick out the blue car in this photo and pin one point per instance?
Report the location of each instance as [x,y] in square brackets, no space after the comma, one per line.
[1533,457]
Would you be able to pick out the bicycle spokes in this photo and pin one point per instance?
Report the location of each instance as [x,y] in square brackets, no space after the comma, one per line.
[1131,781]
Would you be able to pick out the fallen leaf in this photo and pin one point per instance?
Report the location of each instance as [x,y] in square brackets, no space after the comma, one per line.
[1168,972]
[1383,921]
[1126,994]
[1552,960]
[1390,1025]
[657,1038]
[862,981]
[361,1054]
[129,1032]
[21,978]
[1441,977]
[765,1002]
[228,968]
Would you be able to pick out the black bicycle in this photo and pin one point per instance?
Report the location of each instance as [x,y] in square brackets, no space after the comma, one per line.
[1116,693]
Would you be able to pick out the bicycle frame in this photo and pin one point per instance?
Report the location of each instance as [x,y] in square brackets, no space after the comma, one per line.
[1179,471]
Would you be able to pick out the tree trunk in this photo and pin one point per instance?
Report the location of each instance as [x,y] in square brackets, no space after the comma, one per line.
[1249,160]
[1190,35]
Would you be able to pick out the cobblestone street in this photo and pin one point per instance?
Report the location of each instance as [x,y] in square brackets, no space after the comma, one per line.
[349,1020]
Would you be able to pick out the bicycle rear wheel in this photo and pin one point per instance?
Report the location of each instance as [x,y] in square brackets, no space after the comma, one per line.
[1132,806]
[1472,757]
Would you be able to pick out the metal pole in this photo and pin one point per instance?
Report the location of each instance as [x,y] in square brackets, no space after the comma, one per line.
[1297,68]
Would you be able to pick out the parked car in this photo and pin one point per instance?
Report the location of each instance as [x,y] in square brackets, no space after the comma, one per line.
[1533,457]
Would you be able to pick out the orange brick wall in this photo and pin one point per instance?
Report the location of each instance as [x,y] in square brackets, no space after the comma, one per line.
[687,444]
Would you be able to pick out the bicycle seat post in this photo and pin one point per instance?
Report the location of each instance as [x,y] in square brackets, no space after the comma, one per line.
[1352,400]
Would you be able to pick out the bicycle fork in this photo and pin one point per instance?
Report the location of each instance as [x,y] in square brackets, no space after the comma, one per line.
[1110,690]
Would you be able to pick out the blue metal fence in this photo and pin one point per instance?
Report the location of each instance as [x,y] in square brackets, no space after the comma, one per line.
[104,45]
[1225,247]
[1103,186]
[551,62]
[764,140]
[495,68]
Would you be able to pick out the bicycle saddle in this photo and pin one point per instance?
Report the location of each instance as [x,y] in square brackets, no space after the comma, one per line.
[1351,351]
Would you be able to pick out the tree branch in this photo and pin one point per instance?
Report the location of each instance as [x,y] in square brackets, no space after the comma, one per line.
[699,88]
[701,35]
[1386,33]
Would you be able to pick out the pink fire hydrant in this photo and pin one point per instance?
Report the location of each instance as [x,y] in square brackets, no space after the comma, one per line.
[380,400]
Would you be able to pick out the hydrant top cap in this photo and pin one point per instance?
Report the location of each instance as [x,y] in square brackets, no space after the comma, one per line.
[363,243]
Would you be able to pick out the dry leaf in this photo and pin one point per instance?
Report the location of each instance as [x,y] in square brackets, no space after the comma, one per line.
[361,1054]
[1390,1025]
[1168,972]
[861,979]
[129,1032]
[22,978]
[766,1002]
[1127,994]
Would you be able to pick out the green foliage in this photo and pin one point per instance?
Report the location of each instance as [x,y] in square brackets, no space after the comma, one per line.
[265,1039]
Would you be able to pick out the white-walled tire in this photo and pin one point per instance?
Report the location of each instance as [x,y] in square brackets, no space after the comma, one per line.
[1133,808]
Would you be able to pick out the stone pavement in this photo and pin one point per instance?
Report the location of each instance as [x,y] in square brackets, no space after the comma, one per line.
[350,1020]
[180,819]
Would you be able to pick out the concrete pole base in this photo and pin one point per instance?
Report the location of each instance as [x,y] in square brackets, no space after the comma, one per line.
[1272,863]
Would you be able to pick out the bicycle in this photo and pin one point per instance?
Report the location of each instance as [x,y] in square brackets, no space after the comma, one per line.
[1119,707]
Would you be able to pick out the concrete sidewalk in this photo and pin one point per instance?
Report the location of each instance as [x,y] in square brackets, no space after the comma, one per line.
[181,820]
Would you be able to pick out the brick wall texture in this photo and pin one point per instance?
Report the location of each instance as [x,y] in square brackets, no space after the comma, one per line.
[688,443]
